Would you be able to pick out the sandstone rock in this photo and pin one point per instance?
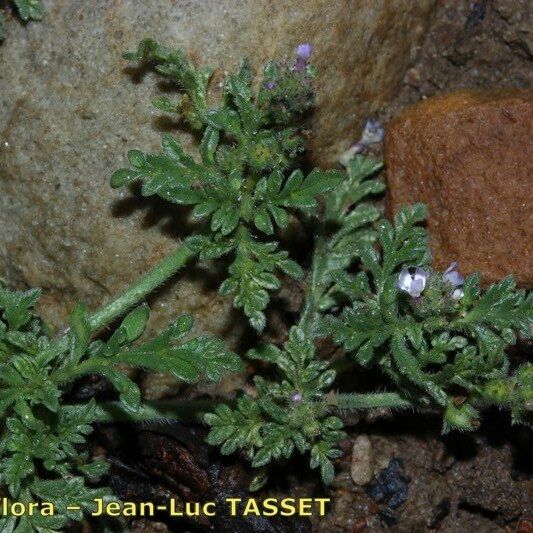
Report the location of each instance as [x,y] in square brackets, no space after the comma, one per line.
[469,156]
[362,468]
[70,109]
[157,385]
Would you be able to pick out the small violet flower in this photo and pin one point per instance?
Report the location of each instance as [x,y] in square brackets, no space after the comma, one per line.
[304,51]
[358,148]
[373,132]
[270,85]
[413,281]
[303,55]
[452,276]
[296,398]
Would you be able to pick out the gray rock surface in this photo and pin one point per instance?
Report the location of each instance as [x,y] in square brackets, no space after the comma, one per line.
[70,109]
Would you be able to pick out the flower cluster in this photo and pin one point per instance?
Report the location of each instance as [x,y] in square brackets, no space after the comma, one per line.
[413,281]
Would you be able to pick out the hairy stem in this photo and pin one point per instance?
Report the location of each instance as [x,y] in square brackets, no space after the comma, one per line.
[142,287]
[372,400]
[191,410]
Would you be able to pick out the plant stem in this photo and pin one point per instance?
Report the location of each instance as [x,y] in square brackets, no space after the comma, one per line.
[191,410]
[71,371]
[142,287]
[372,400]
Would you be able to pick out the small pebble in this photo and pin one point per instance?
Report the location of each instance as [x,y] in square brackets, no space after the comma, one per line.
[362,468]
[391,485]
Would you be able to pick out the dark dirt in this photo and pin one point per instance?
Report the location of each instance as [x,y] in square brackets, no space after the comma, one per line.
[424,482]
[455,483]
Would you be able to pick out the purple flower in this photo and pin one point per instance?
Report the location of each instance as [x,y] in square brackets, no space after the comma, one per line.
[270,85]
[413,281]
[296,398]
[373,132]
[303,54]
[358,148]
[452,276]
[304,51]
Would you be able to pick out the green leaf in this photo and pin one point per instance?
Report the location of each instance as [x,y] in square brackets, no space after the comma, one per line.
[301,192]
[279,215]
[30,9]
[407,217]
[80,328]
[503,307]
[124,176]
[224,119]
[95,469]
[15,470]
[201,358]
[327,472]
[361,167]
[209,145]
[292,268]
[164,104]
[137,159]
[135,323]
[409,366]
[17,306]
[225,219]
[355,287]
[130,395]
[262,222]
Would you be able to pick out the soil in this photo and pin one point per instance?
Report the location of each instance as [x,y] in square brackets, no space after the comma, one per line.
[455,483]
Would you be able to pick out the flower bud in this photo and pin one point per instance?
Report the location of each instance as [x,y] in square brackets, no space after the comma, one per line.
[462,418]
[496,391]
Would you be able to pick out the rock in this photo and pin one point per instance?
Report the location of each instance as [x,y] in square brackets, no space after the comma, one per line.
[391,485]
[157,385]
[469,156]
[70,109]
[362,468]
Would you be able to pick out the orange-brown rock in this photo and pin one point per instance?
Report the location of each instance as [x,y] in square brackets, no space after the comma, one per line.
[469,156]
